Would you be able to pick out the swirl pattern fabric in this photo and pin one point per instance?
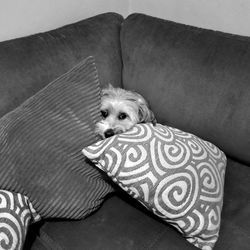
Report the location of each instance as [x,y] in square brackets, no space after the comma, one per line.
[16,214]
[175,174]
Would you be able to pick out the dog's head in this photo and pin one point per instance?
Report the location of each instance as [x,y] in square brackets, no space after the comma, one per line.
[121,110]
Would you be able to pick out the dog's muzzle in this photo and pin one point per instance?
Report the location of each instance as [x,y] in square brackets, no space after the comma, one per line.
[108,133]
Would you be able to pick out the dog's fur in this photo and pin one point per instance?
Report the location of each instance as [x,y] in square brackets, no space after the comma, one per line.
[121,110]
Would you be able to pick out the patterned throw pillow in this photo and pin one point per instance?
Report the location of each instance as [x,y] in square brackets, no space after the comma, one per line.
[41,141]
[177,175]
[16,214]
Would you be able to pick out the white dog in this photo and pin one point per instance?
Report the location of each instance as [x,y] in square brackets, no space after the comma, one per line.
[121,110]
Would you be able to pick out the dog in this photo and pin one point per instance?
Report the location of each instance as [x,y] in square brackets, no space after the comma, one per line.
[121,110]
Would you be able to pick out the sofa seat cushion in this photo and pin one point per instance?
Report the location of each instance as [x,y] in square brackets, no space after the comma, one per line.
[28,64]
[195,79]
[123,224]
[119,224]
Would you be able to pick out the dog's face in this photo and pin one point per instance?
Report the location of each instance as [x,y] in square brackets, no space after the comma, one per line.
[121,110]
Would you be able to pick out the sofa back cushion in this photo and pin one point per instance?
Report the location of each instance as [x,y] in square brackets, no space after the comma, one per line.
[28,64]
[195,79]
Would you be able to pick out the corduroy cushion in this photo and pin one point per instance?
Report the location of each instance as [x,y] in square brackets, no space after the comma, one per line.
[41,141]
[176,175]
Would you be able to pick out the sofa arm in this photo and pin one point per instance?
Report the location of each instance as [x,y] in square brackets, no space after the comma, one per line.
[16,214]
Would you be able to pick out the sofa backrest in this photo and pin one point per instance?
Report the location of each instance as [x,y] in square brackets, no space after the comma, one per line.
[28,64]
[195,79]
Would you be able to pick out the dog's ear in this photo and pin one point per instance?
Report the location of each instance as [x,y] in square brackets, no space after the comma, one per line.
[110,86]
[145,114]
[106,90]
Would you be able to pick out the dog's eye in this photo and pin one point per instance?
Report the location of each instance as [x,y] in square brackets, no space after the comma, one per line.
[104,113]
[122,116]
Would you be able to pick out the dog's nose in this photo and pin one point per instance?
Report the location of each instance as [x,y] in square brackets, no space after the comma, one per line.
[109,133]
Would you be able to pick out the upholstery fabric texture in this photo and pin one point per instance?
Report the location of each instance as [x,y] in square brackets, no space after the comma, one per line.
[28,64]
[122,224]
[200,76]
[175,174]
[41,141]
[137,229]
[16,214]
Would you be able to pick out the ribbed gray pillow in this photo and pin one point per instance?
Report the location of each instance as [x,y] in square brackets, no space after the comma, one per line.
[41,142]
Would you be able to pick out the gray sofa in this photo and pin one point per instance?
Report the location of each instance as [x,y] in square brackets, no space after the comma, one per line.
[195,79]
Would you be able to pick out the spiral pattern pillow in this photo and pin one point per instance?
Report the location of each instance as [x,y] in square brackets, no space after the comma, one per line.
[16,214]
[176,175]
